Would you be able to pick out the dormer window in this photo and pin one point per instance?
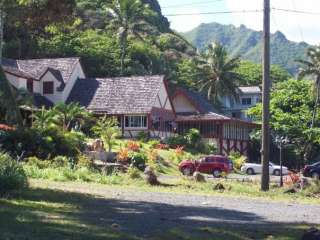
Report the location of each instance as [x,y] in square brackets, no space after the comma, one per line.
[48,87]
[30,85]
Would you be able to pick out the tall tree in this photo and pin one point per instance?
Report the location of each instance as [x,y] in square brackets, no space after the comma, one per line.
[312,68]
[130,17]
[221,78]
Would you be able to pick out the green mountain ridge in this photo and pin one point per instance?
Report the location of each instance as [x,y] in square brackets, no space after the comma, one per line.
[247,43]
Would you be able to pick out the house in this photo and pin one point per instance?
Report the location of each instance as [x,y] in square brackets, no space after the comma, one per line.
[50,80]
[194,111]
[140,103]
[247,97]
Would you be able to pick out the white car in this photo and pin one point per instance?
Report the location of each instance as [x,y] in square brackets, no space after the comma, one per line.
[254,168]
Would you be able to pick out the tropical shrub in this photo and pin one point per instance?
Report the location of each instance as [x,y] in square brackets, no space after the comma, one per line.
[108,130]
[39,163]
[12,175]
[138,160]
[133,173]
[153,143]
[237,160]
[133,146]
[143,136]
[193,137]
[84,161]
[60,161]
[176,141]
[123,155]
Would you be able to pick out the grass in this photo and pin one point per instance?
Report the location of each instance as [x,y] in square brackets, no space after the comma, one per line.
[52,210]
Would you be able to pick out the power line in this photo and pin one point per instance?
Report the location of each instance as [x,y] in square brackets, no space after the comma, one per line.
[213,13]
[299,26]
[191,4]
[296,11]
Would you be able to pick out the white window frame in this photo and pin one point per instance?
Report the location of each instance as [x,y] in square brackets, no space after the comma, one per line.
[131,121]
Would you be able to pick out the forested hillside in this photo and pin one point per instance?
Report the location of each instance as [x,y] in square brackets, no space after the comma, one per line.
[247,43]
[84,28]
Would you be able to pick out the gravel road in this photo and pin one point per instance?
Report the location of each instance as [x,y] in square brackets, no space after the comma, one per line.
[141,213]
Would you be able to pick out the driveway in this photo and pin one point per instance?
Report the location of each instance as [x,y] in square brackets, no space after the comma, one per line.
[145,213]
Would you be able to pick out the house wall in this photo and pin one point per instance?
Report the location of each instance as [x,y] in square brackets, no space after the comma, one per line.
[182,105]
[163,100]
[16,81]
[56,96]
[77,73]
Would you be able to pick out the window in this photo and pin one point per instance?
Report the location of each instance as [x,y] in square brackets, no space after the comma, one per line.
[135,121]
[48,88]
[246,101]
[30,85]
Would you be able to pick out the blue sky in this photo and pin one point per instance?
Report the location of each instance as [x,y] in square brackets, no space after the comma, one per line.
[297,27]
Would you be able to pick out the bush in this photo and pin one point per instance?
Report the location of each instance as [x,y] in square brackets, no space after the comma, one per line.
[206,147]
[138,160]
[123,155]
[84,161]
[42,143]
[60,161]
[133,173]
[193,138]
[39,163]
[143,136]
[133,146]
[154,143]
[237,160]
[12,175]
[176,141]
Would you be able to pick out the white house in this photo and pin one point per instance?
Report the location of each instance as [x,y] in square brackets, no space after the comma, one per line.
[247,97]
[50,80]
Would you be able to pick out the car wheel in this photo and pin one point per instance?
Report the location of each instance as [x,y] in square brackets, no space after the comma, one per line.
[216,173]
[315,176]
[187,171]
[276,172]
[250,171]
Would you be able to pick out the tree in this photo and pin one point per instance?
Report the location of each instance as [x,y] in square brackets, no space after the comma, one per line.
[221,78]
[130,18]
[291,109]
[251,73]
[312,68]
[108,130]
[68,114]
[43,118]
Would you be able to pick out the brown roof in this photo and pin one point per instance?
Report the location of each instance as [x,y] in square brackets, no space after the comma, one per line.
[122,95]
[202,117]
[61,68]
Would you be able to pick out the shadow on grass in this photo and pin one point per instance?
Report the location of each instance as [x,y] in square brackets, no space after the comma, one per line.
[53,214]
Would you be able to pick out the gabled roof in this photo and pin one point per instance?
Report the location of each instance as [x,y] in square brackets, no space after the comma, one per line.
[250,90]
[121,95]
[61,68]
[198,100]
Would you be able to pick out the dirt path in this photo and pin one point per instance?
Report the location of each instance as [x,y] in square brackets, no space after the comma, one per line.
[143,213]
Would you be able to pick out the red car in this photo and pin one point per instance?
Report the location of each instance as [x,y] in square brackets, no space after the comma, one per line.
[214,165]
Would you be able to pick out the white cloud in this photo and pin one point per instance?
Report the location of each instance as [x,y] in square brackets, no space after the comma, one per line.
[297,27]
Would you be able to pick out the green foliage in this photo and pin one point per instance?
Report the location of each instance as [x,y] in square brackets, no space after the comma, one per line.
[138,159]
[237,160]
[39,163]
[60,161]
[176,141]
[133,173]
[108,130]
[12,175]
[247,43]
[291,113]
[153,143]
[44,144]
[251,74]
[220,79]
[84,161]
[143,136]
[193,137]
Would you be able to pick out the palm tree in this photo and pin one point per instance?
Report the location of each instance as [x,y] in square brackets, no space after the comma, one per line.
[312,68]
[43,118]
[130,18]
[67,114]
[220,76]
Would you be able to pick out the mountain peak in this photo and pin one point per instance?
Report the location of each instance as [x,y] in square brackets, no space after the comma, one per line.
[248,44]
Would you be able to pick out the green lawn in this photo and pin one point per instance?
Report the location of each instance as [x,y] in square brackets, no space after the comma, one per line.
[52,213]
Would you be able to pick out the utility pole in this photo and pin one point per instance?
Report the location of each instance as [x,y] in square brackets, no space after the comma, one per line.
[265,150]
